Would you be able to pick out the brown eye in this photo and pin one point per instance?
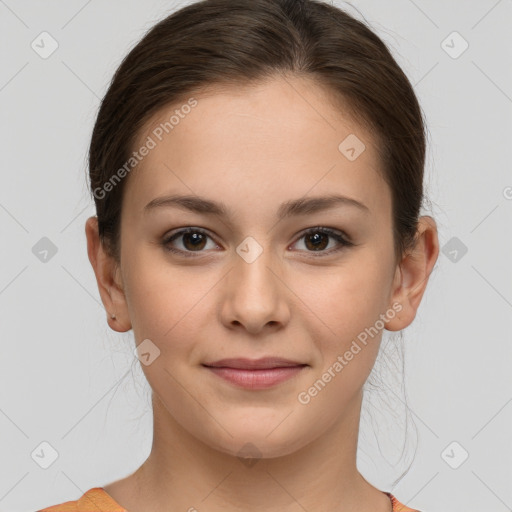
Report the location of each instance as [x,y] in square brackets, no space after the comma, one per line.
[191,240]
[318,239]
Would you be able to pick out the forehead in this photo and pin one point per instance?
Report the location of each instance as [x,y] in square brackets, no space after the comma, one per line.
[285,134]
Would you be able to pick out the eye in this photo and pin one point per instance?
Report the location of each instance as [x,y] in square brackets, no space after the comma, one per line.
[191,239]
[317,240]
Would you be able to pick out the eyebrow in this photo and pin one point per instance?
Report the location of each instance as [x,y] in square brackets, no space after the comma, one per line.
[301,206]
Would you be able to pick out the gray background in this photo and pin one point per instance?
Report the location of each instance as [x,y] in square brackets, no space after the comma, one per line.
[68,380]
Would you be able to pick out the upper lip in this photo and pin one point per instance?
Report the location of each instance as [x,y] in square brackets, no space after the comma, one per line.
[251,364]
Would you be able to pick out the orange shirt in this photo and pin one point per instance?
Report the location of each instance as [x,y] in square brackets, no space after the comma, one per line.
[97,500]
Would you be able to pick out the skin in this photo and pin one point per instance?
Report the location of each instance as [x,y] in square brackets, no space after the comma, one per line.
[254,148]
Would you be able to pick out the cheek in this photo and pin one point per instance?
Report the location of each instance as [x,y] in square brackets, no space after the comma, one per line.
[344,306]
[345,298]
[164,299]
[157,301]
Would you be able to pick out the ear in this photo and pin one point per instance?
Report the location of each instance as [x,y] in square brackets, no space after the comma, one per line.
[109,279]
[412,274]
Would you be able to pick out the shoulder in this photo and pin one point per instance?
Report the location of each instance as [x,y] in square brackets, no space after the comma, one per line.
[69,506]
[399,507]
[93,500]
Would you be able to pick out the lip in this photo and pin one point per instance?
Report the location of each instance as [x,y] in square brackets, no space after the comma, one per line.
[255,373]
[242,363]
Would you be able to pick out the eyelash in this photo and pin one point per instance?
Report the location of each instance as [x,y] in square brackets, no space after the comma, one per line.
[338,236]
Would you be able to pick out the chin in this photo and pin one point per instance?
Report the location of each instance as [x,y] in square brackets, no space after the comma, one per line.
[258,442]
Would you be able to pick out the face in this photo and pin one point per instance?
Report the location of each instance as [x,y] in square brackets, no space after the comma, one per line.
[250,283]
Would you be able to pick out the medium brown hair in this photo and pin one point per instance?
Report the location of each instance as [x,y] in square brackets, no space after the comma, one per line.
[237,42]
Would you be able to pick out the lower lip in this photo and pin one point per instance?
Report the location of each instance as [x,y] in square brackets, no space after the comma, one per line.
[256,379]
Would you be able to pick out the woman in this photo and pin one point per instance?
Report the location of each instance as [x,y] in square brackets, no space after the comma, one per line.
[257,169]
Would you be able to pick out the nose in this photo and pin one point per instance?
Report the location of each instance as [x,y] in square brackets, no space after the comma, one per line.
[255,296]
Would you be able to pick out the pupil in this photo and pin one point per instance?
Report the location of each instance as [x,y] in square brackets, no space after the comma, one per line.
[195,238]
[317,240]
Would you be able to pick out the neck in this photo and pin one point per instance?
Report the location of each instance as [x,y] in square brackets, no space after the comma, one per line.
[183,473]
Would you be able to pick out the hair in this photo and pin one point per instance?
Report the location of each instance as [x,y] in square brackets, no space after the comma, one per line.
[243,42]
[237,42]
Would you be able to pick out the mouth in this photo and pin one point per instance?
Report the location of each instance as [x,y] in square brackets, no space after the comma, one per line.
[264,363]
[255,374]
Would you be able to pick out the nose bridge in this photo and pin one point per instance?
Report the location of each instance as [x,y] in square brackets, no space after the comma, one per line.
[254,296]
[252,266]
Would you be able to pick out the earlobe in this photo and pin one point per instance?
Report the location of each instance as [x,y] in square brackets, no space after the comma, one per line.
[110,288]
[412,274]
